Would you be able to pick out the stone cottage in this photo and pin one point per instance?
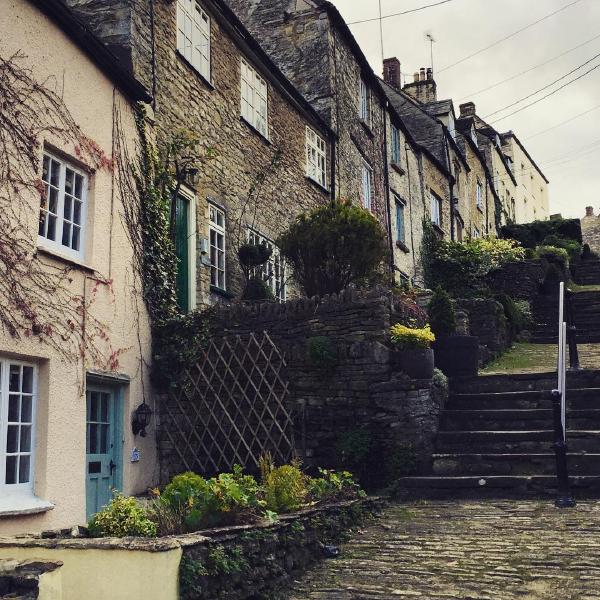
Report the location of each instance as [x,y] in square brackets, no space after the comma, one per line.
[75,334]
[266,153]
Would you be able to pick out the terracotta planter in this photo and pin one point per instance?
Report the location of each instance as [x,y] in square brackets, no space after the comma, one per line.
[457,356]
[417,364]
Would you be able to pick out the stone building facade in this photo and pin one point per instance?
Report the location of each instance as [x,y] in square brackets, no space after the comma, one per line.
[71,381]
[590,229]
[266,151]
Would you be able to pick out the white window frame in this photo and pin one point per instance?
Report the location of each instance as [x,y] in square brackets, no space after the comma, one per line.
[367,186]
[56,245]
[275,267]
[316,157]
[479,194]
[218,274]
[435,204]
[26,488]
[476,233]
[396,147]
[364,109]
[193,35]
[254,98]
[186,193]
[399,202]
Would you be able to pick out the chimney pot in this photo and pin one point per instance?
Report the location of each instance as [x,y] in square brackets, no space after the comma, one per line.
[430,73]
[392,72]
[416,76]
[422,75]
[589,211]
[467,109]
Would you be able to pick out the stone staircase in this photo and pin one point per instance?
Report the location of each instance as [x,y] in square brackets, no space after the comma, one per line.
[587,272]
[496,436]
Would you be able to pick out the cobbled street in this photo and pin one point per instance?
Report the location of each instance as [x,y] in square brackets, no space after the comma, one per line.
[467,550]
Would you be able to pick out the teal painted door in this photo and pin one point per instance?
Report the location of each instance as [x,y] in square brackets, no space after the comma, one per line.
[182,208]
[103,446]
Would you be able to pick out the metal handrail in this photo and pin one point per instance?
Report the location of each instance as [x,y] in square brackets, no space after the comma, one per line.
[564,498]
[571,332]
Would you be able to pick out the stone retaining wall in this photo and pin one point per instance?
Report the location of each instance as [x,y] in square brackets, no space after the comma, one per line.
[519,280]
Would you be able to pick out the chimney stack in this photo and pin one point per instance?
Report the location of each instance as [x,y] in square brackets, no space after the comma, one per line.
[467,109]
[423,89]
[589,211]
[391,72]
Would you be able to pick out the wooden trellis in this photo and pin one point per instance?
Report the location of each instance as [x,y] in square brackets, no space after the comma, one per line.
[231,407]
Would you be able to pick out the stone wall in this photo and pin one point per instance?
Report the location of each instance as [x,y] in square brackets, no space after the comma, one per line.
[590,230]
[519,280]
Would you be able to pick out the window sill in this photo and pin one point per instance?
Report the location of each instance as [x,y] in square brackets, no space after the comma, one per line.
[263,137]
[317,184]
[51,253]
[21,505]
[402,247]
[221,292]
[190,66]
[367,128]
[396,166]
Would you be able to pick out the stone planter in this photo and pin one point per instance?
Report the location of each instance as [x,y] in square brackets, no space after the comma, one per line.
[457,356]
[417,364]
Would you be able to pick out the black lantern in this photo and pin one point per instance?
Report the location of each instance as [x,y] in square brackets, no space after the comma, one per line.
[141,419]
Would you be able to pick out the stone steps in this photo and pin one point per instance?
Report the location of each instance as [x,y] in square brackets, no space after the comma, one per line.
[587,273]
[578,399]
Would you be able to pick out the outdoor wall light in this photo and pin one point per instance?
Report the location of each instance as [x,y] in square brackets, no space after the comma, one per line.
[141,419]
[192,176]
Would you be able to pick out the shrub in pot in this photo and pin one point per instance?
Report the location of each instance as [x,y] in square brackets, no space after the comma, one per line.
[455,355]
[412,351]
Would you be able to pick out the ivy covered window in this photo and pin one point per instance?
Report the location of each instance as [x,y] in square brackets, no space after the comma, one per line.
[273,271]
[193,35]
[217,246]
[63,207]
[316,157]
[254,99]
[17,411]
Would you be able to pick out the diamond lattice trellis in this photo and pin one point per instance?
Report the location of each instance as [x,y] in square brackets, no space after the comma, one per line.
[230,408]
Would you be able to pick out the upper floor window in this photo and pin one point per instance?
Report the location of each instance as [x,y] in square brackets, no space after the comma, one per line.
[254,99]
[193,35]
[400,228]
[316,157]
[436,210]
[365,103]
[367,186]
[17,412]
[395,145]
[216,228]
[273,271]
[479,195]
[63,206]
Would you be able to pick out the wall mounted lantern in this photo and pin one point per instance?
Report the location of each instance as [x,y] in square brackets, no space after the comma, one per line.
[141,419]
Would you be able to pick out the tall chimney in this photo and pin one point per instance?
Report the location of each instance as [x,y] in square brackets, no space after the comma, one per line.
[391,72]
[467,109]
[589,211]
[423,89]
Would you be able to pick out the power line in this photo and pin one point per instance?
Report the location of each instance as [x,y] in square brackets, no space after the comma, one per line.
[548,95]
[587,62]
[543,64]
[586,112]
[406,12]
[462,60]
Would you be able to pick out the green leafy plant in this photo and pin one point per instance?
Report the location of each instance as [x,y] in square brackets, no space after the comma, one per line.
[321,351]
[442,316]
[406,309]
[353,448]
[530,235]
[332,247]
[518,314]
[554,255]
[252,257]
[257,290]
[333,486]
[123,516]
[400,461]
[406,338]
[285,488]
[572,247]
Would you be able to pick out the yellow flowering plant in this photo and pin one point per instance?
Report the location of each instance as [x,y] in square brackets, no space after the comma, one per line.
[407,338]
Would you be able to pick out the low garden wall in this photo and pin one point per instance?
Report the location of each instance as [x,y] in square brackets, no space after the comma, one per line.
[519,280]
[350,408]
[235,563]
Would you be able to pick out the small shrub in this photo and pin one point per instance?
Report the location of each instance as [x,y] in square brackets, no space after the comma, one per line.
[405,338]
[400,461]
[334,486]
[406,309]
[321,351]
[123,516]
[353,448]
[553,255]
[516,314]
[441,314]
[257,290]
[572,247]
[285,488]
[333,247]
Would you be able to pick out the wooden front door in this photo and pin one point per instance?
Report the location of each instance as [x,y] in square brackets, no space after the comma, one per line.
[103,446]
[182,219]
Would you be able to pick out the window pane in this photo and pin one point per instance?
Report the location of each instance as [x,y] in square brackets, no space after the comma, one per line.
[69,177]
[14,384]
[11,470]
[12,439]
[93,439]
[104,412]
[25,443]
[24,469]
[26,409]
[13,408]
[27,380]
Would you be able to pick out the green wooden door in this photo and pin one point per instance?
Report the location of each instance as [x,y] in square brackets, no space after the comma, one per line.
[103,446]
[182,209]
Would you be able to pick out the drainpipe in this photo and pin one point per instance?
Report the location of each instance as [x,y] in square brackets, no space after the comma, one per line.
[386,174]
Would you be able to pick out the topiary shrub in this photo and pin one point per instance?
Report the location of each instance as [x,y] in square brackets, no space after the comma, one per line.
[285,488]
[442,317]
[333,247]
[122,517]
[257,290]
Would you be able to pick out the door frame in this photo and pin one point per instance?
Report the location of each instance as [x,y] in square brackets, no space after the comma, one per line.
[187,194]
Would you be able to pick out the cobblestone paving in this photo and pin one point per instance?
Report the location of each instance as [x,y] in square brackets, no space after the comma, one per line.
[469,551]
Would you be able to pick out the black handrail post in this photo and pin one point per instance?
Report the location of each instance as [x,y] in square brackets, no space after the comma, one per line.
[564,499]
[571,333]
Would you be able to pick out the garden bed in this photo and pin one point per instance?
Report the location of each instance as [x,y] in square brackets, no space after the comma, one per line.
[237,562]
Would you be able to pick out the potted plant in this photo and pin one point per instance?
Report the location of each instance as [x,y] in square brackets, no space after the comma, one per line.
[455,355]
[412,351]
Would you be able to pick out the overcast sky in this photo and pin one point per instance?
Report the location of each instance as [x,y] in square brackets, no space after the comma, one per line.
[569,155]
